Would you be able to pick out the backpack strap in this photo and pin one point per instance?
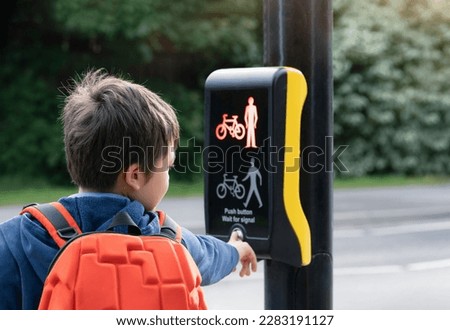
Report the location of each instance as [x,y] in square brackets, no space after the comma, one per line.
[56,220]
[169,227]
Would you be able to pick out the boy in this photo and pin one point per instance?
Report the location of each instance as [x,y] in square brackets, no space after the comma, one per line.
[119,141]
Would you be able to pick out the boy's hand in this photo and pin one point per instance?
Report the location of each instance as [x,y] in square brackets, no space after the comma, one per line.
[246,254]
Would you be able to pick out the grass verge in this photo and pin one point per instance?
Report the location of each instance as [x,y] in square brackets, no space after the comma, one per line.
[388,181]
[15,192]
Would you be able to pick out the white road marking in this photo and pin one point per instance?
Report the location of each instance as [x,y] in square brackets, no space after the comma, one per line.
[429,265]
[393,269]
[413,213]
[397,229]
[412,228]
[368,270]
[393,230]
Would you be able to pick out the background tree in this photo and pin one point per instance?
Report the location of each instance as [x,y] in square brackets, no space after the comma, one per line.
[168,46]
[392,101]
[391,68]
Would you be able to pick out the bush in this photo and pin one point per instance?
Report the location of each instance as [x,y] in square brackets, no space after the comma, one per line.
[31,137]
[392,105]
[391,62]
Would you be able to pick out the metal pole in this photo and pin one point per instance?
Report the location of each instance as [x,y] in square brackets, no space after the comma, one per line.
[297,33]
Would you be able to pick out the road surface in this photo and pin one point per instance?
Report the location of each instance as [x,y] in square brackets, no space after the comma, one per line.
[391,250]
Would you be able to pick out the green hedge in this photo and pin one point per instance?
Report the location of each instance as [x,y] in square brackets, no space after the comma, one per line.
[391,63]
[392,92]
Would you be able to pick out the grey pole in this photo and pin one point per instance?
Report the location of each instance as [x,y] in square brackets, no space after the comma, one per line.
[297,33]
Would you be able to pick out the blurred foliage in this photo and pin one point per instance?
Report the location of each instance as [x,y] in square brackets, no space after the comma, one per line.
[392,100]
[391,62]
[168,46]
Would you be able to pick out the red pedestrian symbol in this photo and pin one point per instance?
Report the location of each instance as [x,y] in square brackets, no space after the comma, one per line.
[251,118]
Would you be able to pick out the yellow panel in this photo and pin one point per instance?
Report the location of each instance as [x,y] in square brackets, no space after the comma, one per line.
[295,99]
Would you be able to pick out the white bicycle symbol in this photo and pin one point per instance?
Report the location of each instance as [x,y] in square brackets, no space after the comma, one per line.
[232,186]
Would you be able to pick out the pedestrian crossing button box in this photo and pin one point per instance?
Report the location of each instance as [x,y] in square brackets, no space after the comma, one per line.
[251,160]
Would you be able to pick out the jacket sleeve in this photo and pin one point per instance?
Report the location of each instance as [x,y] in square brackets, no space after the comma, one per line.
[10,293]
[214,258]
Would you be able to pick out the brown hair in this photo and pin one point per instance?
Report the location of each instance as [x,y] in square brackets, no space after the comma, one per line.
[111,123]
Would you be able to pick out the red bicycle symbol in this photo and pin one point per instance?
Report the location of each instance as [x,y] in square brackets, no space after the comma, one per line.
[230,125]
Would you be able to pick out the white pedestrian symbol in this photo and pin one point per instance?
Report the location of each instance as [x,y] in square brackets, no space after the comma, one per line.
[252,174]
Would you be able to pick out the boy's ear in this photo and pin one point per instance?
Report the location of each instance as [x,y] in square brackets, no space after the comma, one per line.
[133,176]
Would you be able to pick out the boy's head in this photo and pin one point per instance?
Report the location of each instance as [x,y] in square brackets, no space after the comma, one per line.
[111,124]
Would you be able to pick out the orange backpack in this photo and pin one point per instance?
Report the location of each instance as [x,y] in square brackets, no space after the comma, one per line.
[108,270]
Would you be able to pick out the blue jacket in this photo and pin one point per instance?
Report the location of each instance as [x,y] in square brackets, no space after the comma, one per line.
[26,250]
